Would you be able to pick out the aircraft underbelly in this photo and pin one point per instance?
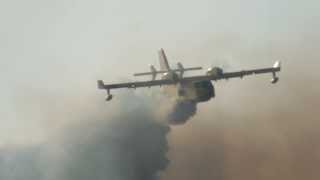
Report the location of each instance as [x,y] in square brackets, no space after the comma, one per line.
[190,92]
[180,92]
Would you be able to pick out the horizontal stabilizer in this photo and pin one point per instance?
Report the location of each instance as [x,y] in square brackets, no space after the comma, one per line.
[189,69]
[161,72]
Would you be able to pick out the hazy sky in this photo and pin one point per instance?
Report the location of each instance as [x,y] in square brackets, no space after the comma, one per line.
[62,47]
[52,53]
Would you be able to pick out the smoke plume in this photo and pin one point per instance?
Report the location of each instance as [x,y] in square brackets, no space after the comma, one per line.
[130,144]
[181,112]
[254,130]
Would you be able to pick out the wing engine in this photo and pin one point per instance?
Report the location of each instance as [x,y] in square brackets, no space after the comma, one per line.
[215,71]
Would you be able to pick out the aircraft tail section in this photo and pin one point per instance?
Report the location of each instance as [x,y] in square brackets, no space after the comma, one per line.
[164,65]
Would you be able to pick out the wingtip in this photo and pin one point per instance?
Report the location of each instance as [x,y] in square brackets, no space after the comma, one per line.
[100,84]
[277,64]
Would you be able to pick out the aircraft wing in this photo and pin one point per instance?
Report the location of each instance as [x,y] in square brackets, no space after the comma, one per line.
[134,85]
[237,74]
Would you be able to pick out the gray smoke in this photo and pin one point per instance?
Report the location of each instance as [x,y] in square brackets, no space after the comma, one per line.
[129,145]
[181,112]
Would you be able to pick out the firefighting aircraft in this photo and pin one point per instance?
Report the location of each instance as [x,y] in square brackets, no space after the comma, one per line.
[195,88]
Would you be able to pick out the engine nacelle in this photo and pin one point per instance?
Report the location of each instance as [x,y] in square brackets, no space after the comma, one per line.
[153,72]
[171,75]
[214,71]
[181,69]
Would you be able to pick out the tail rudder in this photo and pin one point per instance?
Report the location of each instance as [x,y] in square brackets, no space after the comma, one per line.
[164,65]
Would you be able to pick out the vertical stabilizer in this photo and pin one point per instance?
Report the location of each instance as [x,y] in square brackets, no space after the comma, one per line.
[164,65]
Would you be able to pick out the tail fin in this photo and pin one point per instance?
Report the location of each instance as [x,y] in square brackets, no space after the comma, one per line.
[164,65]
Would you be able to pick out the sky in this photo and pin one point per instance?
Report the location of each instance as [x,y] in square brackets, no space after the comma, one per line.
[52,53]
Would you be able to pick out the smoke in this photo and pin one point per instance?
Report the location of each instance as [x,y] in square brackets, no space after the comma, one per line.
[254,130]
[129,144]
[181,112]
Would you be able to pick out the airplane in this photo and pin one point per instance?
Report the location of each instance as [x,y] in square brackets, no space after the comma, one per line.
[195,88]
